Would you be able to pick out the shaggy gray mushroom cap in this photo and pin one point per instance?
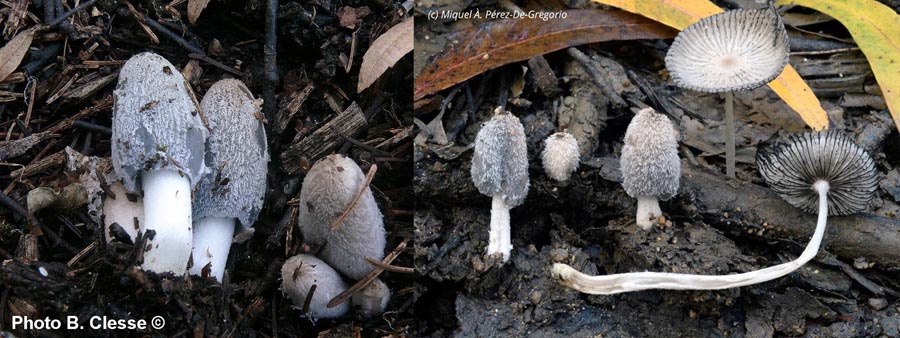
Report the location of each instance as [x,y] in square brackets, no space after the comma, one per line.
[736,50]
[236,154]
[156,124]
[649,163]
[500,163]
[791,171]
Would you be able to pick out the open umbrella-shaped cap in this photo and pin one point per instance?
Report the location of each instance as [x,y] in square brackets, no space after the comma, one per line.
[500,163]
[736,50]
[237,155]
[792,169]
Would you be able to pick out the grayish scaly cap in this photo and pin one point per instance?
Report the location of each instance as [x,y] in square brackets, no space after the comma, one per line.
[156,124]
[500,163]
[236,154]
[792,169]
[649,163]
[328,189]
[736,50]
[560,156]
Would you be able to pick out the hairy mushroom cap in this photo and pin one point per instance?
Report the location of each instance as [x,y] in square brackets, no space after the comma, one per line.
[156,124]
[500,163]
[237,155]
[792,169]
[328,190]
[300,273]
[649,162]
[736,50]
[372,299]
[560,156]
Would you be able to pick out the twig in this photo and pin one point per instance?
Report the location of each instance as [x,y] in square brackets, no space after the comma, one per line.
[309,296]
[359,144]
[388,267]
[93,127]
[369,176]
[217,64]
[270,56]
[66,15]
[344,296]
[171,35]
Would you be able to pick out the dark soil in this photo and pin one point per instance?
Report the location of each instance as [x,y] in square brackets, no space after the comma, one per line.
[588,222]
[102,279]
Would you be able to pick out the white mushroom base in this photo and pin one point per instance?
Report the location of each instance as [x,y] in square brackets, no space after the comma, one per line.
[167,211]
[499,244]
[122,211]
[648,211]
[635,281]
[212,242]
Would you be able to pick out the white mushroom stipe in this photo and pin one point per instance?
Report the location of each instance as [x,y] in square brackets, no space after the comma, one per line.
[499,236]
[212,242]
[826,167]
[560,156]
[300,273]
[129,215]
[500,170]
[169,194]
[650,166]
[648,211]
[329,188]
[636,281]
[371,300]
[232,194]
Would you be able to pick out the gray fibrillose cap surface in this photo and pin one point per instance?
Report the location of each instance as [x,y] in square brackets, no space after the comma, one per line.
[649,163]
[237,155]
[500,163]
[736,50]
[791,171]
[156,124]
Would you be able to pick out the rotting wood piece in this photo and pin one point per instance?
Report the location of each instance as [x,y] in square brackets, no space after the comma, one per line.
[322,141]
[291,107]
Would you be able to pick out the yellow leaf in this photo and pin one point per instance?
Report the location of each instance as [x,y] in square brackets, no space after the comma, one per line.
[876,29]
[679,14]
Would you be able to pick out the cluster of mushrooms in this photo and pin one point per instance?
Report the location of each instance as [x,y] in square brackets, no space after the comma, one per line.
[191,173]
[822,171]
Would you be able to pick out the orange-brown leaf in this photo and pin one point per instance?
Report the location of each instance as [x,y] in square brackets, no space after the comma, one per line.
[473,51]
[682,13]
[11,55]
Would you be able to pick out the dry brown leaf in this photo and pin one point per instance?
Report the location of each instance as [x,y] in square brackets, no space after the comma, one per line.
[195,7]
[11,55]
[389,48]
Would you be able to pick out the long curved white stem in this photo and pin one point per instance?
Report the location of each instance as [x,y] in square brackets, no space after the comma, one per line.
[498,239]
[167,211]
[635,281]
[212,242]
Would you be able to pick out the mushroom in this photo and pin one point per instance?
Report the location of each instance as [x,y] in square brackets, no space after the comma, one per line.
[500,170]
[126,210]
[237,155]
[736,50]
[300,274]
[371,300]
[329,188]
[560,156]
[158,144]
[650,165]
[822,172]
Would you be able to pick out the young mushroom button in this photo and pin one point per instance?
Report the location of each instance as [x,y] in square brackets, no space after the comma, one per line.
[560,156]
[820,172]
[158,137]
[500,170]
[736,50]
[237,155]
[650,165]
[329,188]
[371,300]
[300,274]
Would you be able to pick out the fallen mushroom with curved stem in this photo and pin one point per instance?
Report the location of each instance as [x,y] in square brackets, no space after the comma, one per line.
[331,187]
[158,140]
[650,165]
[237,155]
[560,156]
[817,171]
[310,283]
[500,170]
[736,50]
